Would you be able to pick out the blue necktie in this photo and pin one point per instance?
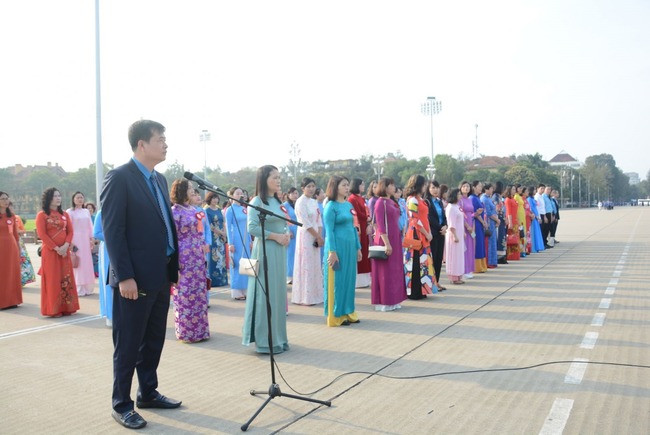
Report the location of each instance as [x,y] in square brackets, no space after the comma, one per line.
[160,200]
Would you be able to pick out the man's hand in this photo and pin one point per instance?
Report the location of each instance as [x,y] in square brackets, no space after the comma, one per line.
[129,289]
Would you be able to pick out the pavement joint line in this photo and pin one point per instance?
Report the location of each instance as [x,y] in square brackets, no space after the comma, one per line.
[48,327]
[605,303]
[589,340]
[70,322]
[576,371]
[416,347]
[557,417]
[598,320]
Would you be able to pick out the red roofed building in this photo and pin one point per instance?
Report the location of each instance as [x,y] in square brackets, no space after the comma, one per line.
[565,159]
[490,162]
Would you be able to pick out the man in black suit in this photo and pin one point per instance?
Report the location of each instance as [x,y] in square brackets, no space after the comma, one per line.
[554,196]
[141,241]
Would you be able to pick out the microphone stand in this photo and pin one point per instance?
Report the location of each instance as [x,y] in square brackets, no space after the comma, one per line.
[274,389]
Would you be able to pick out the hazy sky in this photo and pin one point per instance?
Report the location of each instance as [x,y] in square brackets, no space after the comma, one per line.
[340,78]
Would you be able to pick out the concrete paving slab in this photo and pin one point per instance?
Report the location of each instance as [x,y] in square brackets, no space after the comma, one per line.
[57,375]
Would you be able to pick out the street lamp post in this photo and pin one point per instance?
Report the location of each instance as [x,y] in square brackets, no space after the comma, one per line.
[562,187]
[572,203]
[99,168]
[377,168]
[205,137]
[431,107]
[295,160]
[579,190]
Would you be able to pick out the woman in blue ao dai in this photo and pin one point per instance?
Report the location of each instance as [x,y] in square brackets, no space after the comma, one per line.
[343,250]
[239,244]
[290,205]
[217,264]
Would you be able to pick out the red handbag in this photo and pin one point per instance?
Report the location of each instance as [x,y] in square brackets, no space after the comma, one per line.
[74,258]
[411,241]
[513,239]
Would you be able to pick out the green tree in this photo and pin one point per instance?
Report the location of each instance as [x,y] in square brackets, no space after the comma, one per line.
[521,174]
[449,170]
[83,180]
[174,172]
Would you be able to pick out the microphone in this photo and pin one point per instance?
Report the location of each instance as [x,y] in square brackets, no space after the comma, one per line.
[200,181]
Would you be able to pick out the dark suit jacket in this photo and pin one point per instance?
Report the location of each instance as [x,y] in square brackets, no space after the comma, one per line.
[433,218]
[134,230]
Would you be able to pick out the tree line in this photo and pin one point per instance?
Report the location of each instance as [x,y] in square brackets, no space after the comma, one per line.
[598,179]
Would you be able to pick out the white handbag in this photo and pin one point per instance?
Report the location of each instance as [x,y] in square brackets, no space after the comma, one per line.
[248,266]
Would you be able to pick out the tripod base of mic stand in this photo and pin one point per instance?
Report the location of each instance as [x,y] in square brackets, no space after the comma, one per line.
[273,392]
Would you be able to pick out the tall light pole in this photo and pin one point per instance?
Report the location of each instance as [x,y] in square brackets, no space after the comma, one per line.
[431,107]
[562,187]
[205,137]
[579,190]
[295,160]
[99,168]
[572,177]
[377,167]
[475,143]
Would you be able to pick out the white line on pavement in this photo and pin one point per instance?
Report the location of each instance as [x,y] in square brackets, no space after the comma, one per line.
[576,371]
[610,290]
[605,303]
[589,341]
[558,417]
[613,282]
[52,326]
[598,320]
[616,273]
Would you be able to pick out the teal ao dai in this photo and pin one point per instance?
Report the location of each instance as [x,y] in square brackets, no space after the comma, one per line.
[342,238]
[255,329]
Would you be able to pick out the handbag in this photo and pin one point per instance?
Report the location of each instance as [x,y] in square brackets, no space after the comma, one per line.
[522,234]
[74,258]
[488,232]
[248,266]
[39,251]
[412,242]
[513,239]
[378,252]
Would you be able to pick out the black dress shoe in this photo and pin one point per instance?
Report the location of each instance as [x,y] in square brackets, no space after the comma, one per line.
[130,419]
[159,401]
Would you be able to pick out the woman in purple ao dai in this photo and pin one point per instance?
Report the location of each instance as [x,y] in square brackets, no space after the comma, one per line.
[388,287]
[467,207]
[190,294]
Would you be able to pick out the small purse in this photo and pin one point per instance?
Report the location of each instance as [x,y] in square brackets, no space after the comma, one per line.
[248,266]
[488,232]
[39,251]
[378,252]
[512,239]
[74,258]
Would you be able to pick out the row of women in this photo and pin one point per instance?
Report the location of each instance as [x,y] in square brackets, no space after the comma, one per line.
[400,244]
[61,283]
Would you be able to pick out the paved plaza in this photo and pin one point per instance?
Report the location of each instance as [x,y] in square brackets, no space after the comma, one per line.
[586,300]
